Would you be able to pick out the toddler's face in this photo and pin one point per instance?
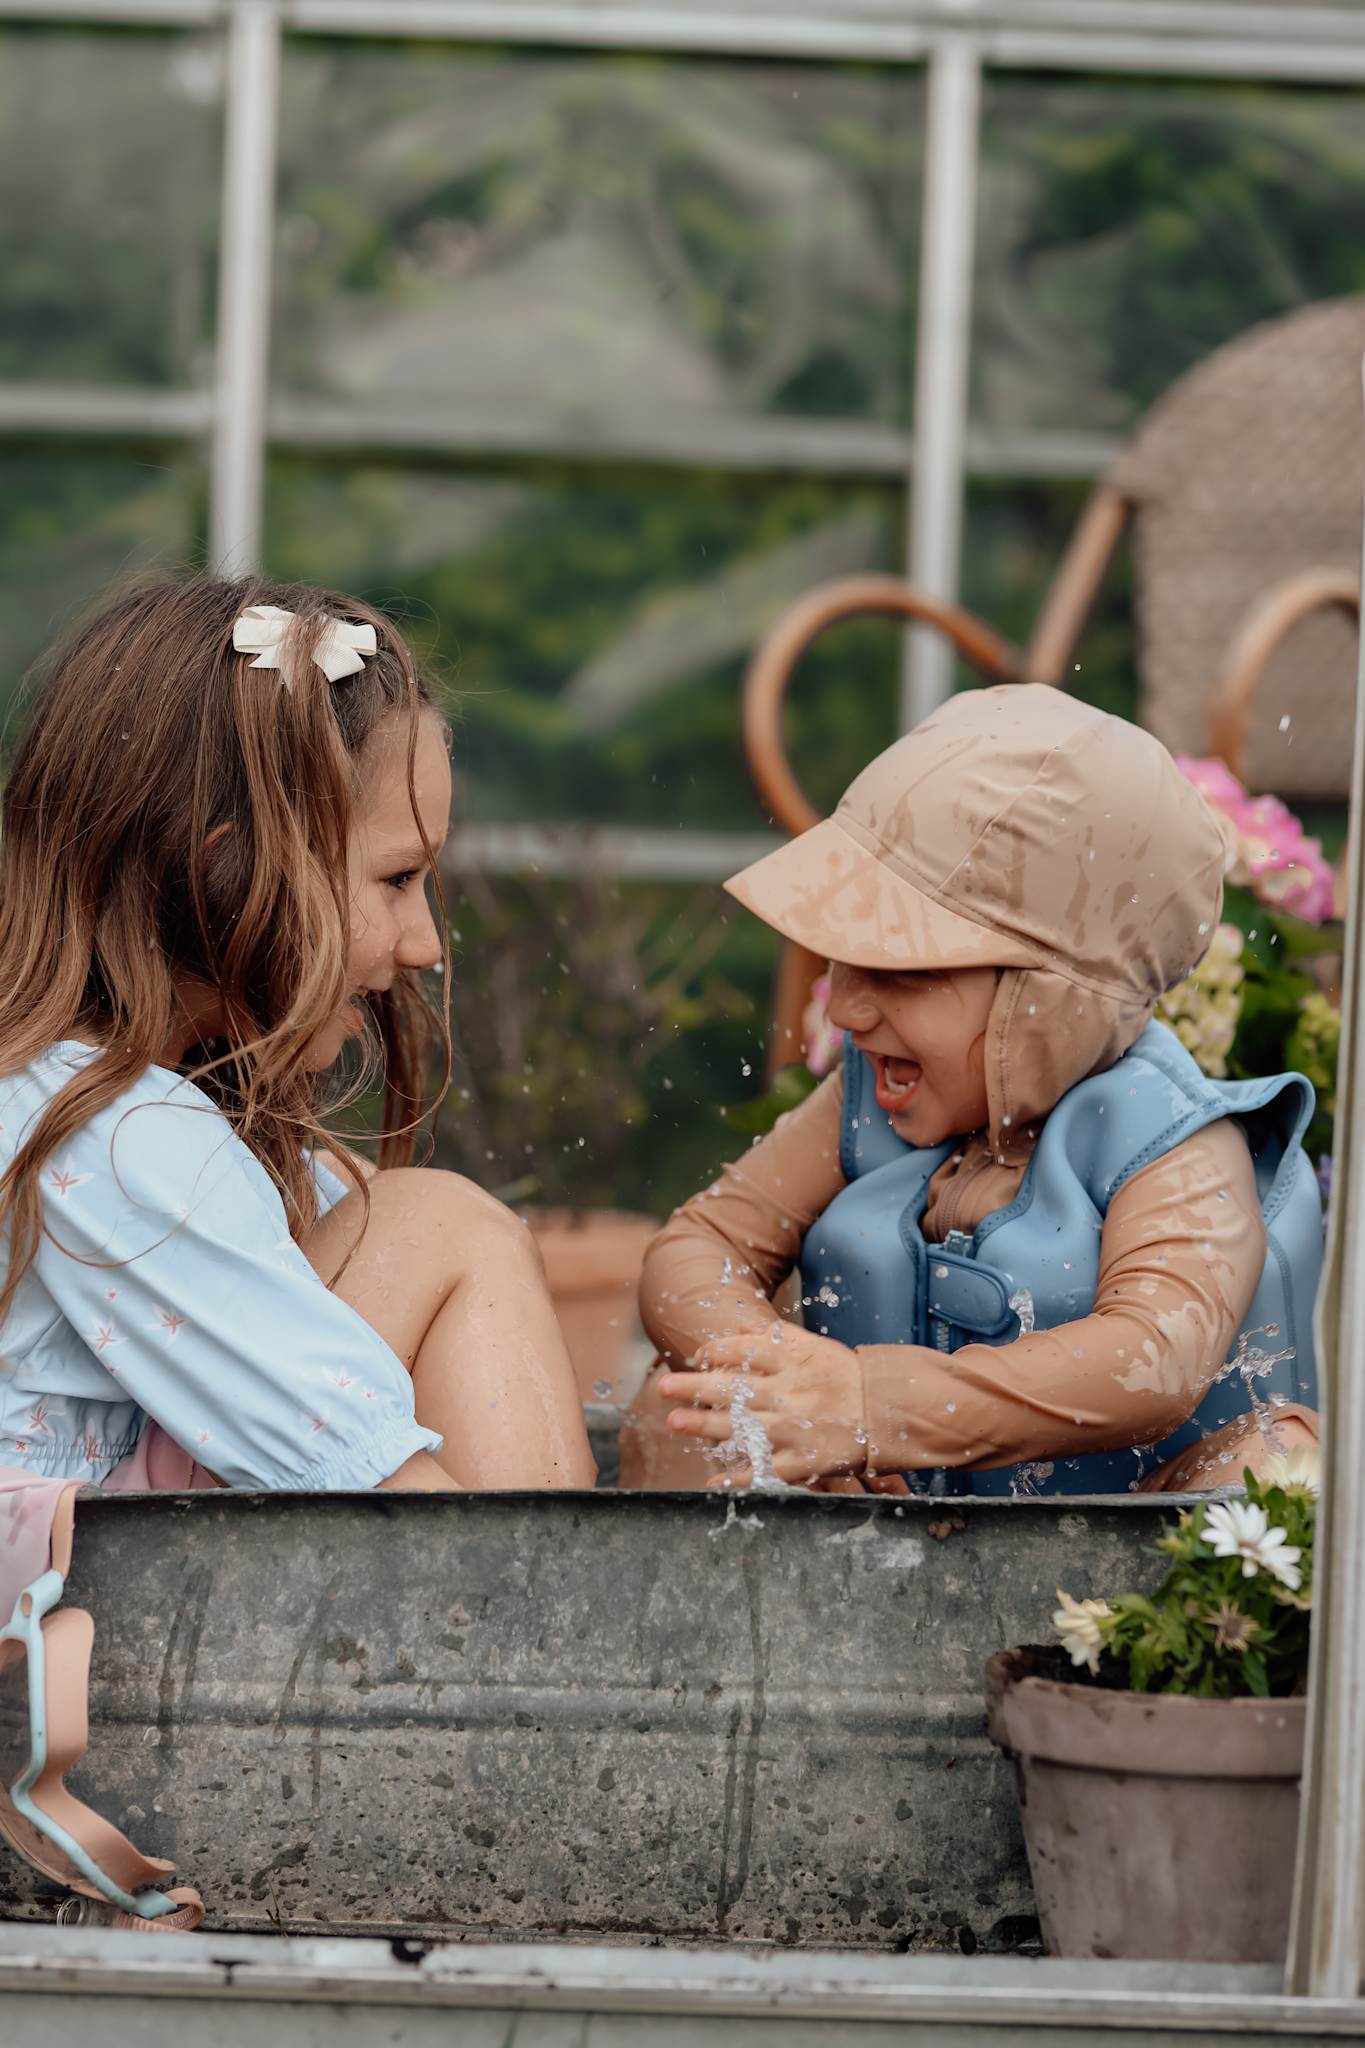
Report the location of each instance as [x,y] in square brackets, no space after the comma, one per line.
[924,1036]
[391,922]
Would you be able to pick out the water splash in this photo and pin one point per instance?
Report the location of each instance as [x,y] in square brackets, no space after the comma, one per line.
[1251,1364]
[749,1443]
[1022,1304]
[1028,1480]
[734,1519]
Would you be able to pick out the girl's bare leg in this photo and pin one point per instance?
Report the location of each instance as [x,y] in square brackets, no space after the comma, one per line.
[453,1282]
[1221,1458]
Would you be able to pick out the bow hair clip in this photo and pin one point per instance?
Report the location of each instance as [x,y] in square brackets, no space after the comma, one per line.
[341,649]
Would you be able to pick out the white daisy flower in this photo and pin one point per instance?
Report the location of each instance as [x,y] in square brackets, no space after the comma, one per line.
[1077,1622]
[1301,1467]
[1241,1528]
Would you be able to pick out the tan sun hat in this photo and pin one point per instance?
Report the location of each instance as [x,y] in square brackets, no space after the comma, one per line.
[1016,827]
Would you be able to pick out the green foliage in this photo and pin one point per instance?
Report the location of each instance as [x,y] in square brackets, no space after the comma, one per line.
[641,231]
[521,592]
[1312,1049]
[571,1002]
[1287,1022]
[1127,229]
[788,1087]
[108,255]
[1217,1626]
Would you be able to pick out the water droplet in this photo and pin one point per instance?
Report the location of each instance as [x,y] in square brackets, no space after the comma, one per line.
[1022,1304]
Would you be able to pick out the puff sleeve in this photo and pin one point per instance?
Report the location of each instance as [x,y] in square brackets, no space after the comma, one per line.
[166,1249]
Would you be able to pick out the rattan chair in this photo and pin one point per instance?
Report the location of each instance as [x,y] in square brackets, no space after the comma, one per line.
[1242,489]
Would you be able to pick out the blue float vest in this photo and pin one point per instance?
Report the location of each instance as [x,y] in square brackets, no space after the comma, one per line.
[868,1277]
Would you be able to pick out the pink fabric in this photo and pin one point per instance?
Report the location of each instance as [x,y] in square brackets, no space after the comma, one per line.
[28,1504]
[157,1465]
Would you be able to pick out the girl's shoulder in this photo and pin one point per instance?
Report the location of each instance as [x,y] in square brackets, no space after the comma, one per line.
[158,1113]
[49,1072]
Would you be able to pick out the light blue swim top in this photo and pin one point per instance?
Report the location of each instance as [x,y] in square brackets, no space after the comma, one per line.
[166,1286]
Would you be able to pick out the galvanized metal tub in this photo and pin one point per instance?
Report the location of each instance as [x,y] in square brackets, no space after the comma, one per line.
[590,1714]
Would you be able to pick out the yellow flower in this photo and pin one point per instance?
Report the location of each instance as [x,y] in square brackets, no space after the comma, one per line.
[1203,1010]
[1232,1630]
[1079,1624]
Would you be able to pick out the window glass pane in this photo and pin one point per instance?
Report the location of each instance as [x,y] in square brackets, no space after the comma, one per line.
[1124,231]
[109,168]
[73,518]
[1014,537]
[593,627]
[595,238]
[613,1061]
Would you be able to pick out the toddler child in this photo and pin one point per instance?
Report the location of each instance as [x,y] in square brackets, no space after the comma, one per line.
[1038,1248]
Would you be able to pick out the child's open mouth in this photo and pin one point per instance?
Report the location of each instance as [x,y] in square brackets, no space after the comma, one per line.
[897,1081]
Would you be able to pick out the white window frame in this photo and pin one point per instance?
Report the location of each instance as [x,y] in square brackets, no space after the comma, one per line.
[954,40]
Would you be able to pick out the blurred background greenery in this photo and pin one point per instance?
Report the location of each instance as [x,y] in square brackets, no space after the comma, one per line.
[549,248]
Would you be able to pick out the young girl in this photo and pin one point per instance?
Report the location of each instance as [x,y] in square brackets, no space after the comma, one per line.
[217,836]
[1029,1230]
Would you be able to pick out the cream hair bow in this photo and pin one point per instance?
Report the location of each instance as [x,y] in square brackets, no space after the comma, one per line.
[341,649]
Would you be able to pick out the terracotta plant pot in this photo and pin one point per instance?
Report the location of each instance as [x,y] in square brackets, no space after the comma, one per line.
[1156,1826]
[592,1263]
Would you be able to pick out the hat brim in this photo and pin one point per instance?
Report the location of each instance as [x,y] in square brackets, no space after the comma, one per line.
[831,895]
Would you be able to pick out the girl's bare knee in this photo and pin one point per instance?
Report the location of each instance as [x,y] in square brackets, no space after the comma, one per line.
[433,1195]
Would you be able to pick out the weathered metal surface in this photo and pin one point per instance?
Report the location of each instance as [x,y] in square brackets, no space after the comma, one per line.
[314,1994]
[591,1714]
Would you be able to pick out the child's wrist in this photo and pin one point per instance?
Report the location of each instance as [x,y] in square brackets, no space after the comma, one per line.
[866,1415]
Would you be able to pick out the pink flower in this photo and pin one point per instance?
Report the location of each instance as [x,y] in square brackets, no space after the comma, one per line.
[823,1040]
[1215,782]
[1268,851]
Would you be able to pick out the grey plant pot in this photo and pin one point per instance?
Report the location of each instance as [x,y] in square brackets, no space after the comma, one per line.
[1156,1826]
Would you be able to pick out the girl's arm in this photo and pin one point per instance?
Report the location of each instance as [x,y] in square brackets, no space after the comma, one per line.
[165,1249]
[1181,1255]
[719,1259]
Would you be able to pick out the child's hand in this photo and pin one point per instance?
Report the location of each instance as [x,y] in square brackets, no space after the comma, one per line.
[806,1391]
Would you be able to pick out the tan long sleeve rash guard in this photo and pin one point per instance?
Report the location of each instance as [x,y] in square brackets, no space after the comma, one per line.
[1181,1253]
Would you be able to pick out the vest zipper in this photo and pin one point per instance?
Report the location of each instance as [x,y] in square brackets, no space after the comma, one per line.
[960,1245]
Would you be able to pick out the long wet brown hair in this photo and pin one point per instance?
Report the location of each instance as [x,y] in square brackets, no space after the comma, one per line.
[176,818]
